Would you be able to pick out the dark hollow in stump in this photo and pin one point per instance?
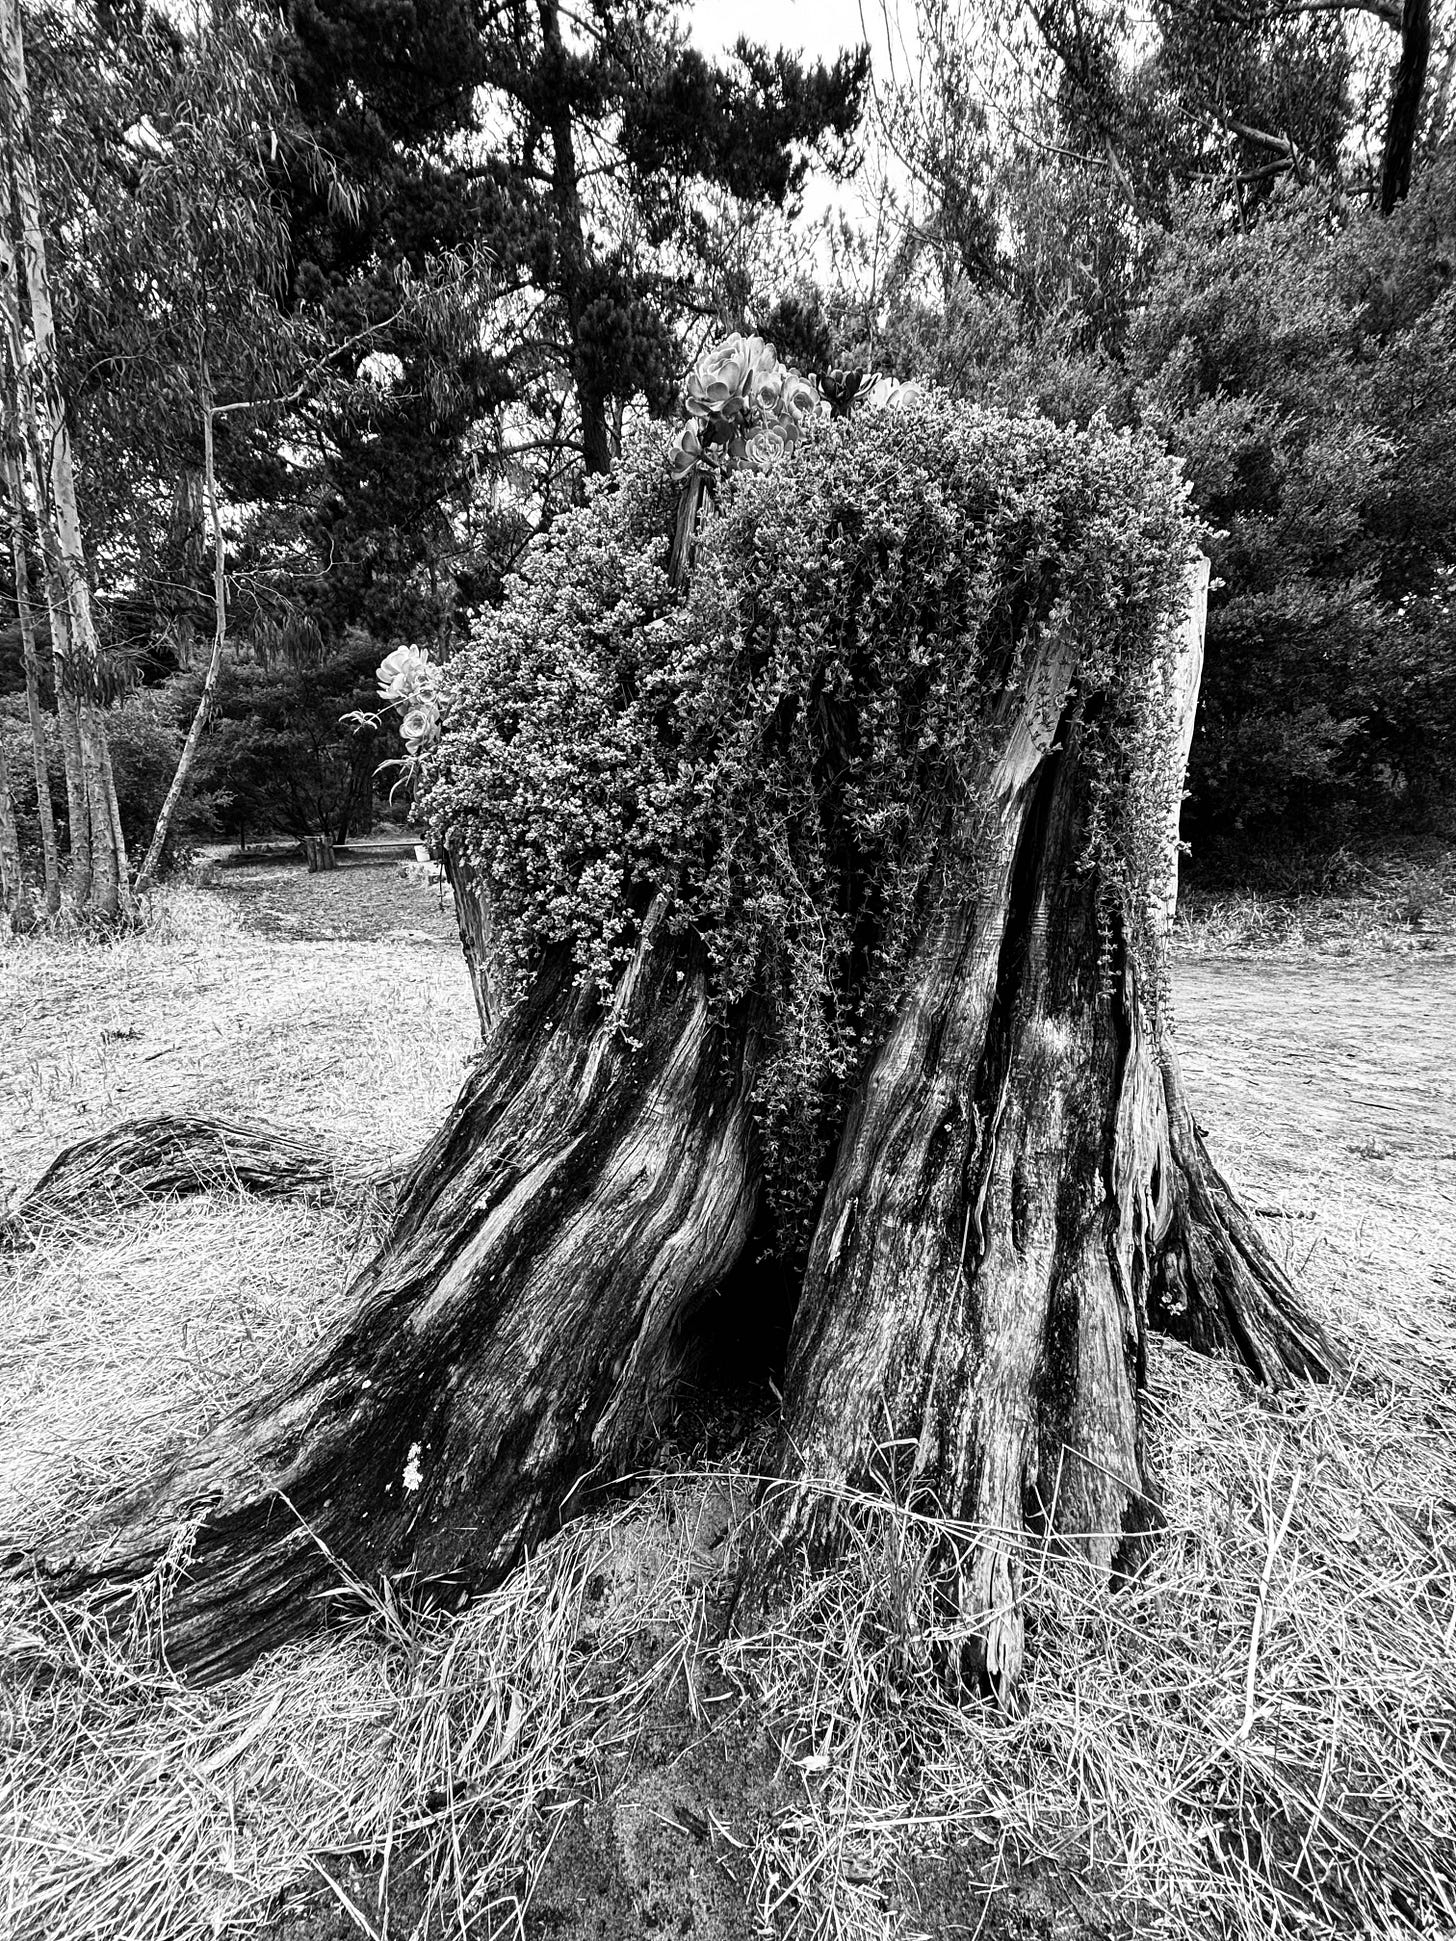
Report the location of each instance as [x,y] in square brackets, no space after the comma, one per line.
[1019,1194]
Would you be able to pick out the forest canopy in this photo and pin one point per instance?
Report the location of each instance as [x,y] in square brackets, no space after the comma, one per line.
[347,317]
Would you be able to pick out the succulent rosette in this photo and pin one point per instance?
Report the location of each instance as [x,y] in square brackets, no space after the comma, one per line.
[685,453]
[720,374]
[402,672]
[744,407]
[885,394]
[410,681]
[765,447]
[420,725]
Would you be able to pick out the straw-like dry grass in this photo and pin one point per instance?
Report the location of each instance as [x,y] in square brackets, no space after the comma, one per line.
[1257,1738]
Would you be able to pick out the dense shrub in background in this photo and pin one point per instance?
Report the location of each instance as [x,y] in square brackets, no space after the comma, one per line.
[1306,368]
[279,748]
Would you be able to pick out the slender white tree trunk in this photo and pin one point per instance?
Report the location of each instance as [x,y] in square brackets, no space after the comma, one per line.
[50,859]
[28,454]
[109,890]
[219,638]
[14,896]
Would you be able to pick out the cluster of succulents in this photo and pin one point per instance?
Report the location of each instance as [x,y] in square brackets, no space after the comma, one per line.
[744,407]
[848,390]
[410,681]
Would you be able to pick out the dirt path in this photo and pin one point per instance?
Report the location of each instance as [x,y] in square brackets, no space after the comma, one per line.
[374,894]
[1328,1094]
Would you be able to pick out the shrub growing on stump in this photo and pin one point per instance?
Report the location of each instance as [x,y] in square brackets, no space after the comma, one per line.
[828,893]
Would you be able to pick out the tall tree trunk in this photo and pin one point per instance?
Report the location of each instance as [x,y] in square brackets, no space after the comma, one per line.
[177,596]
[1404,120]
[1019,1193]
[566,194]
[109,891]
[158,845]
[28,453]
[50,858]
[515,1335]
[14,895]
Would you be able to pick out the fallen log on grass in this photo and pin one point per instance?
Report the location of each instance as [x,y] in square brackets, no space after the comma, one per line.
[148,1161]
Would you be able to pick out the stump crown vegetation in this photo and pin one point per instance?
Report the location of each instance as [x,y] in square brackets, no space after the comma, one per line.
[785,750]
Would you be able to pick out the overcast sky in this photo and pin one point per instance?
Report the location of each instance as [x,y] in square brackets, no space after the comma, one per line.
[820,28]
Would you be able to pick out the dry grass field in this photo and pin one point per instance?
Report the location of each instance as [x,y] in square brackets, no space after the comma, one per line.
[1257,1738]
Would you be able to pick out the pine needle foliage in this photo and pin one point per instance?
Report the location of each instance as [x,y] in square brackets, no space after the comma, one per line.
[795,753]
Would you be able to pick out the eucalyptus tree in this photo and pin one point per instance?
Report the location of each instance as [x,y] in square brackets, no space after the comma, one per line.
[186,360]
[98,849]
[25,616]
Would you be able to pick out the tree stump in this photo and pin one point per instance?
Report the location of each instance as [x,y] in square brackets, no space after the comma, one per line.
[318,853]
[1017,1191]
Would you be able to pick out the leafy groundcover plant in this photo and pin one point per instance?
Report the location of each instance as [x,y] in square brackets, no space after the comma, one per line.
[784,752]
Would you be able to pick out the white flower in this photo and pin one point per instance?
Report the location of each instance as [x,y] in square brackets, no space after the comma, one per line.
[413,1474]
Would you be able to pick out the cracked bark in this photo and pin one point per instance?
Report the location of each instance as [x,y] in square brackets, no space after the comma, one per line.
[1019,1194]
[516,1335]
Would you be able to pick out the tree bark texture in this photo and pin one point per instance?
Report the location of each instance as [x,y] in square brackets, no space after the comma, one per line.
[516,1335]
[45,816]
[566,193]
[318,853]
[1019,1193]
[27,453]
[14,893]
[55,483]
[472,913]
[1403,122]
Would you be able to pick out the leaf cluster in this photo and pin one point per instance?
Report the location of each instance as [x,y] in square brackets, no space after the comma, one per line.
[797,753]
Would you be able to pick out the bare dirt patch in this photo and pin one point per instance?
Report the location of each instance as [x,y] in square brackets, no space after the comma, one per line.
[376,893]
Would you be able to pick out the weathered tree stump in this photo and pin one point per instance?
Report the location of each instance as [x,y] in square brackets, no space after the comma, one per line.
[318,853]
[1019,1192]
[516,1335]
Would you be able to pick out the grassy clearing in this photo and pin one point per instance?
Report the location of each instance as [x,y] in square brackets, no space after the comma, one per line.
[362,1039]
[1258,1738]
